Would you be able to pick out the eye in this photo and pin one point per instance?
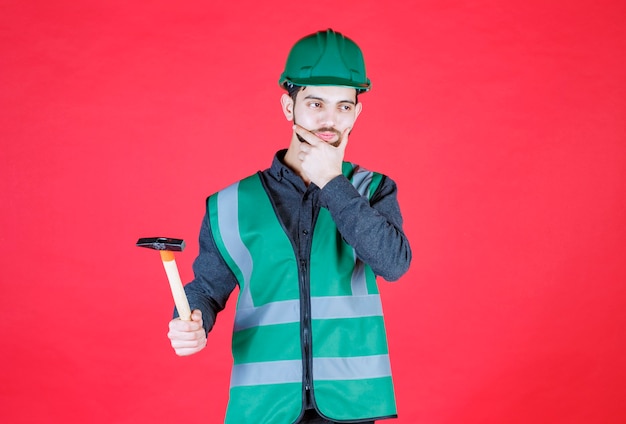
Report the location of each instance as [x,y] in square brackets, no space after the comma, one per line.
[345,107]
[315,105]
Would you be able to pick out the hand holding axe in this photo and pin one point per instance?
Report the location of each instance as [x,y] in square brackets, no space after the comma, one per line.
[167,247]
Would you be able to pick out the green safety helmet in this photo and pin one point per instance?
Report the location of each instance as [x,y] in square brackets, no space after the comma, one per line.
[326,58]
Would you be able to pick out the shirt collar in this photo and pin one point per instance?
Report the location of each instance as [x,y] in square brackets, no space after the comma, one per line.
[278,169]
[281,171]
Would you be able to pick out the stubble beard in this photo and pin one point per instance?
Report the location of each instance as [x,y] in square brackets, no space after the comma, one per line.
[319,130]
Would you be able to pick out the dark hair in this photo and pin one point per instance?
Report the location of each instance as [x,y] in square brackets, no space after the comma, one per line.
[293,91]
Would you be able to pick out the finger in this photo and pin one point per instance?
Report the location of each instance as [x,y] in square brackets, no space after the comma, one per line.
[179,325]
[344,139]
[307,135]
[181,337]
[196,315]
[188,339]
[186,352]
[189,348]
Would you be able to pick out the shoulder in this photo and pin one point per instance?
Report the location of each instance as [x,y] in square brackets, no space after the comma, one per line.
[366,181]
[234,187]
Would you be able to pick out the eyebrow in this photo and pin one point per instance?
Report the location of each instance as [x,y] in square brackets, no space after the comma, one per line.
[310,97]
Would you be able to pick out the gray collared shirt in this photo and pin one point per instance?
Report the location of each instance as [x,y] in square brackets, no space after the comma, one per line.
[372,227]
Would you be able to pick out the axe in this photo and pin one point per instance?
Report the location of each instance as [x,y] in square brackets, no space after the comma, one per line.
[167,247]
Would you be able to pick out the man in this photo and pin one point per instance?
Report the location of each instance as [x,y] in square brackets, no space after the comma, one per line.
[304,240]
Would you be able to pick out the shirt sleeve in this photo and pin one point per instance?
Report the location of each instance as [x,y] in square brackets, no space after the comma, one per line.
[373,227]
[213,280]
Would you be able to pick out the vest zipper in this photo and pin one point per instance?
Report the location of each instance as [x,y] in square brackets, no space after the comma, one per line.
[305,311]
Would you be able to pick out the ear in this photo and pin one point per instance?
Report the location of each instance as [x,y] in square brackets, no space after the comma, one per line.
[357,110]
[287,104]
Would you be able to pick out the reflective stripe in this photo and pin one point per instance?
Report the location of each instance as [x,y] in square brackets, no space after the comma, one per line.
[329,307]
[361,180]
[273,372]
[281,372]
[351,368]
[228,221]
[359,281]
[272,313]
[326,307]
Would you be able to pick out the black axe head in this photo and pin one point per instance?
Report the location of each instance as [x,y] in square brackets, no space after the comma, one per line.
[162,243]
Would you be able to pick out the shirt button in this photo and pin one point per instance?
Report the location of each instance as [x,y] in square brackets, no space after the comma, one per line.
[305,232]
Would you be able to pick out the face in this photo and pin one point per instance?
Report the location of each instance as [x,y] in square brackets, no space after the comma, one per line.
[326,111]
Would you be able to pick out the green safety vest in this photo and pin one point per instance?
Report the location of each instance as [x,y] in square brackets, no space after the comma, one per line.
[351,373]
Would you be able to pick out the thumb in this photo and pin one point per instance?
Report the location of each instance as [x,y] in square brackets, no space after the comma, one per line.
[196,315]
[344,139]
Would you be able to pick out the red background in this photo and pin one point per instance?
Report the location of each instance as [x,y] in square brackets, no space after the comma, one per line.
[503,123]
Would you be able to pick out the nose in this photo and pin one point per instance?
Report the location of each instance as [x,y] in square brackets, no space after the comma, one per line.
[328,118]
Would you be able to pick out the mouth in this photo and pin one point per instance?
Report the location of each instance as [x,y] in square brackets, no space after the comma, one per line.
[327,135]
